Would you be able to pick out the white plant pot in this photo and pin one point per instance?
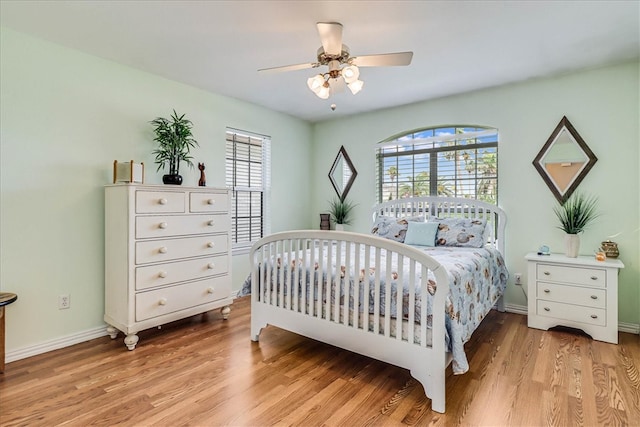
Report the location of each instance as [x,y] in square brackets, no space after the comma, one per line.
[572,245]
[339,227]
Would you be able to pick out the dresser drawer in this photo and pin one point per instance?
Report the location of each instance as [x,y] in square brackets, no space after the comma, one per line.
[188,247]
[589,297]
[152,276]
[576,313]
[574,275]
[175,298]
[208,202]
[159,202]
[180,225]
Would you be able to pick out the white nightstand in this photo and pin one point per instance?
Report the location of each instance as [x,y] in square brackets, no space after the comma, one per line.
[578,292]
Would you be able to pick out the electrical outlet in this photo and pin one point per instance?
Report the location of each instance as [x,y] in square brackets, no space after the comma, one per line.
[518,278]
[64,301]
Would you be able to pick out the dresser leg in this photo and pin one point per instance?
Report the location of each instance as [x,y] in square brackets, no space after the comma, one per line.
[113,332]
[225,312]
[130,341]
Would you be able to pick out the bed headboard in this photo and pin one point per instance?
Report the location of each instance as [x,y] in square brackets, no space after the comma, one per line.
[447,207]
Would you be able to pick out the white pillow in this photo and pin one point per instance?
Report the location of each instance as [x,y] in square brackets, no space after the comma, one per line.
[421,233]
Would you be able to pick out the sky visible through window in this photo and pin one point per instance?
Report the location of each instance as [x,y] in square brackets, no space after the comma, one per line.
[451,161]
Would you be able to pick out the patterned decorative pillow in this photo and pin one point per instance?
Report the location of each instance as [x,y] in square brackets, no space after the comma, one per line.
[421,233]
[461,232]
[393,228]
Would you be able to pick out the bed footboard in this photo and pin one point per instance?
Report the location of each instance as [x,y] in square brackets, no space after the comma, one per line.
[363,293]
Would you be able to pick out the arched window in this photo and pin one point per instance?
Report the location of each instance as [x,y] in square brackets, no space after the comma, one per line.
[452,161]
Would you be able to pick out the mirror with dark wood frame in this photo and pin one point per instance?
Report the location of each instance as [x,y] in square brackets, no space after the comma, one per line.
[564,160]
[342,174]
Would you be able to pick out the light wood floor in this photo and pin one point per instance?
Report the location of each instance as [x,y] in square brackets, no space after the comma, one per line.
[206,371]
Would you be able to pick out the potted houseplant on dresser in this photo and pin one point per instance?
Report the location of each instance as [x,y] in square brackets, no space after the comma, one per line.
[175,141]
[575,215]
[340,211]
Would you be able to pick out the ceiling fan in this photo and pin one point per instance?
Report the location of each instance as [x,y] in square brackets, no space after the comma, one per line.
[336,57]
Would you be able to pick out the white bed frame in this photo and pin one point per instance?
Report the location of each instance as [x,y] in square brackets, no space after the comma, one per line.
[342,327]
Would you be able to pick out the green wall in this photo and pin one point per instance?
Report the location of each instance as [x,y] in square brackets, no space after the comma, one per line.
[65,117]
[602,105]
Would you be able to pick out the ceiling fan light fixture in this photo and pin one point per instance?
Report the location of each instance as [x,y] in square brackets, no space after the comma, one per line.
[356,86]
[315,83]
[350,73]
[324,91]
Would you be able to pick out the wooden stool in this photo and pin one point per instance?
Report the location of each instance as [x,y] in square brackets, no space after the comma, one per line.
[6,298]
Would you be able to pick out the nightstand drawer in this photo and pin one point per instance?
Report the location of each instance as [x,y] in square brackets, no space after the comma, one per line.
[576,313]
[572,294]
[573,275]
[159,202]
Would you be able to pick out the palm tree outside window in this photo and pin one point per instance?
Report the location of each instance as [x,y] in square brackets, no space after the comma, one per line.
[452,161]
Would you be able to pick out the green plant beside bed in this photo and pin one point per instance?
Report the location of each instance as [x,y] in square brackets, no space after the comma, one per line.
[340,211]
[577,213]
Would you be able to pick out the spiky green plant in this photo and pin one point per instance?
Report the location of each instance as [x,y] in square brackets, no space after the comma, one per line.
[340,211]
[174,140]
[577,213]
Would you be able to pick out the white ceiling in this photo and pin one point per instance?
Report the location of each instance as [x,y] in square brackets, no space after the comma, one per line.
[458,46]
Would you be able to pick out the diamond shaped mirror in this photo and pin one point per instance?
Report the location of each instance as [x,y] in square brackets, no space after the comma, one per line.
[564,161]
[342,174]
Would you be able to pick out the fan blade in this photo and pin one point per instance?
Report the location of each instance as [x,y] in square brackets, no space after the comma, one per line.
[383,60]
[331,37]
[290,67]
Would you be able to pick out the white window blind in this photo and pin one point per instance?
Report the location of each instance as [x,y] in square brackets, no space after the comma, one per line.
[248,165]
[456,161]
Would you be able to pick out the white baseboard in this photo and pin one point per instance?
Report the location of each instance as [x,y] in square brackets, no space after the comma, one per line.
[66,341]
[101,331]
[55,344]
[631,328]
[515,308]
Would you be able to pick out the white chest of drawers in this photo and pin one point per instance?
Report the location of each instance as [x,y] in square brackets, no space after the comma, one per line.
[580,293]
[167,255]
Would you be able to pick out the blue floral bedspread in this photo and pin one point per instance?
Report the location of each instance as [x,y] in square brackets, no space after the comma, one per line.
[477,278]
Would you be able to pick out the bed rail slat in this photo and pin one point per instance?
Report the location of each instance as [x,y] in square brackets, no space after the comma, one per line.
[376,293]
[399,294]
[387,295]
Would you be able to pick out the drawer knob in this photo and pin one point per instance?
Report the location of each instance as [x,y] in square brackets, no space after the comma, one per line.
[162,201]
[211,244]
[163,250]
[163,301]
[211,223]
[594,297]
[211,201]
[162,274]
[209,290]
[594,277]
[594,316]
[547,309]
[211,266]
[546,273]
[546,291]
[163,225]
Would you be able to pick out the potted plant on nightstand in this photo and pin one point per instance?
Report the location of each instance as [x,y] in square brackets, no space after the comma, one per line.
[340,211]
[174,144]
[575,215]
